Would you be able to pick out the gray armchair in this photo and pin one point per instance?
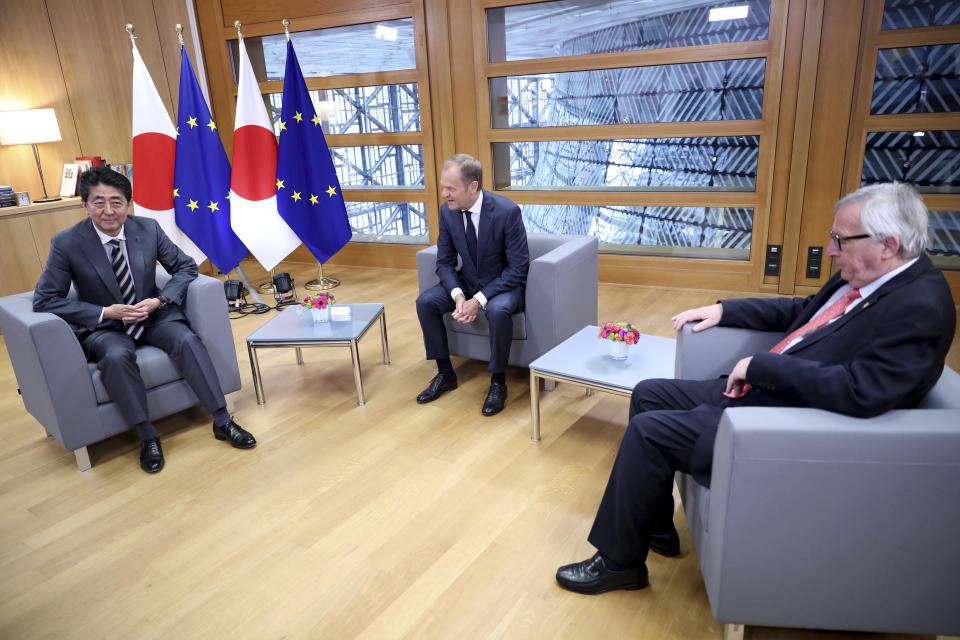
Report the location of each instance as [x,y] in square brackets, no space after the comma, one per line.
[819,520]
[561,299]
[63,391]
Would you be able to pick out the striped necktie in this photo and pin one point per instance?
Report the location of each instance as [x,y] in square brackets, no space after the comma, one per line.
[125,280]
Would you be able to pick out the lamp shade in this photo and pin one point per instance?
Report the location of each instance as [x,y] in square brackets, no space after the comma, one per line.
[30,126]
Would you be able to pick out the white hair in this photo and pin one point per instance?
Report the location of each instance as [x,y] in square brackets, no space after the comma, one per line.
[891,209]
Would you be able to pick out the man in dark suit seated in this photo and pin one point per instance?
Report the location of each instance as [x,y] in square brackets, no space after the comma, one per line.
[111,259]
[874,338]
[486,232]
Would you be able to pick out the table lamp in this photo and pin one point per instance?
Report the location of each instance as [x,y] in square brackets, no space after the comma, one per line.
[31,126]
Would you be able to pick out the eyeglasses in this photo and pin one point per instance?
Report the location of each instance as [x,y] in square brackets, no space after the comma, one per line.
[841,239]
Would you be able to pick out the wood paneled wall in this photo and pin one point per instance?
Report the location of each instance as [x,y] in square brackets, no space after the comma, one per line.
[75,57]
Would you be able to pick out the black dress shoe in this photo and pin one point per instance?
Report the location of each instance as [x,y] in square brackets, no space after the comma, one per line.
[237,435]
[496,399]
[592,576]
[151,455]
[437,386]
[666,544]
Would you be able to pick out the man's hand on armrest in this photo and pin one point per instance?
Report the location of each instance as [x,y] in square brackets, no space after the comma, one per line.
[708,316]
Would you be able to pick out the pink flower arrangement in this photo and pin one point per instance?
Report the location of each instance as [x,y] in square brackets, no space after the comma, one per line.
[620,332]
[320,301]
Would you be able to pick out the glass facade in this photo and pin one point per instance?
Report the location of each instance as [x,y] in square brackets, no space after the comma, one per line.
[690,164]
[917,80]
[906,14]
[357,48]
[943,237]
[700,91]
[602,26]
[930,160]
[640,228]
[379,166]
[396,222]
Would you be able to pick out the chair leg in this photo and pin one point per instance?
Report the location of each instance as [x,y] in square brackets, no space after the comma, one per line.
[549,385]
[733,632]
[83,459]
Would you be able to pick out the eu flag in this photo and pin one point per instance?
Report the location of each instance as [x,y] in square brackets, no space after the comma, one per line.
[308,192]
[201,177]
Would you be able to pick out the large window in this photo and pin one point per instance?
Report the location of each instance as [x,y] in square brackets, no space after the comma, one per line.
[592,132]
[910,131]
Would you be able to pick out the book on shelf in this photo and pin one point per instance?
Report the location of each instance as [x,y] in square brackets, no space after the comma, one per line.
[68,183]
[95,161]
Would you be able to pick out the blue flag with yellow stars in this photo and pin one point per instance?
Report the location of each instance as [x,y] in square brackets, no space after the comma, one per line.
[308,192]
[201,177]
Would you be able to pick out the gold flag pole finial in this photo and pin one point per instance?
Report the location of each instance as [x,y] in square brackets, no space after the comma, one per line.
[180,34]
[239,26]
[133,38]
[286,28]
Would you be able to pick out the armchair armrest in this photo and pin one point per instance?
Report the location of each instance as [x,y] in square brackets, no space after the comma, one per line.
[868,499]
[713,352]
[427,268]
[570,269]
[206,308]
[51,370]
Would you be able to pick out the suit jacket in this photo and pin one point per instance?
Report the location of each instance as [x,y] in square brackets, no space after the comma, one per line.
[502,250]
[77,256]
[885,353]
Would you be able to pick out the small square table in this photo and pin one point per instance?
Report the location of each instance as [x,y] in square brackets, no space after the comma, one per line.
[582,359]
[294,327]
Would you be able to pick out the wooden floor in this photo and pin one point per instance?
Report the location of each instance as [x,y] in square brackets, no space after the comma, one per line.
[383,521]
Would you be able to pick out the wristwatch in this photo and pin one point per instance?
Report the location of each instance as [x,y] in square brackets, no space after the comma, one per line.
[164,301]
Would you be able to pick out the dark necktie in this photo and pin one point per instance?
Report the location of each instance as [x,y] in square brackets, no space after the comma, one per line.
[125,280]
[471,237]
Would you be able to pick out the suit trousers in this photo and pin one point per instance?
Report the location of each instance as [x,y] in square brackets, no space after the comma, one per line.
[673,425]
[436,301]
[115,354]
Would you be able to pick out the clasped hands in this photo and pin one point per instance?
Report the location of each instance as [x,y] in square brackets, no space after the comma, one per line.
[707,317]
[466,310]
[130,313]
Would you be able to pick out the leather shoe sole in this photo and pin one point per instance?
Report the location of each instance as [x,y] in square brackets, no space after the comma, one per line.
[496,399]
[666,544]
[437,387]
[592,576]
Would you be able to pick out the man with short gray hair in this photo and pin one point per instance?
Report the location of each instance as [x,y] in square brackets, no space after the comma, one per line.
[874,338]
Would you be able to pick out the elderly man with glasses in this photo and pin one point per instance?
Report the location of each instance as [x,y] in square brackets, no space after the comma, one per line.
[874,338]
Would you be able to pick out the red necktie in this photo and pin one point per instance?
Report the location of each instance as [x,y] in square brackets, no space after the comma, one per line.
[833,311]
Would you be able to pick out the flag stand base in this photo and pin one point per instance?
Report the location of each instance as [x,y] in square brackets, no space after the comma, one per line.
[268,286]
[321,283]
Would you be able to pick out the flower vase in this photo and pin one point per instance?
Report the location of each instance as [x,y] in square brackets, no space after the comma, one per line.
[618,349]
[320,315]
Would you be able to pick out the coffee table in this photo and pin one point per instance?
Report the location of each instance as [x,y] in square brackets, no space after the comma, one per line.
[294,327]
[582,359]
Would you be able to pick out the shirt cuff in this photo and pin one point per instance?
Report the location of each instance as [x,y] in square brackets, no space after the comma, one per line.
[102,311]
[482,299]
[456,292]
